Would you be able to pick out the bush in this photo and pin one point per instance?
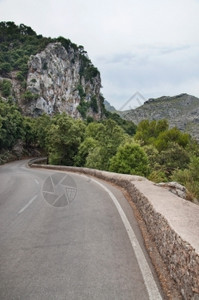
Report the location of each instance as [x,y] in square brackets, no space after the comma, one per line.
[83,108]
[5,68]
[174,157]
[81,91]
[5,87]
[20,76]
[94,105]
[11,128]
[28,96]
[189,177]
[158,176]
[130,159]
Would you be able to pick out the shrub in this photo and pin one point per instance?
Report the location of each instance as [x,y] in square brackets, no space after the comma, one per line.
[189,177]
[20,76]
[5,87]
[5,68]
[130,159]
[158,176]
[94,105]
[81,91]
[83,108]
[28,96]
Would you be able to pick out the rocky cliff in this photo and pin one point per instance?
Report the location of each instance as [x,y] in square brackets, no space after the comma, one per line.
[58,78]
[181,111]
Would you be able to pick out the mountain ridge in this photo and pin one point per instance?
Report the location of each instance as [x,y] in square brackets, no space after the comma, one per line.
[181,111]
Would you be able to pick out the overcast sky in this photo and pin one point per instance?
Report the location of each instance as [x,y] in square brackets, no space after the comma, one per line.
[150,46]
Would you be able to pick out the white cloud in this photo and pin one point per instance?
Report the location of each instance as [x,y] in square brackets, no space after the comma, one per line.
[150,46]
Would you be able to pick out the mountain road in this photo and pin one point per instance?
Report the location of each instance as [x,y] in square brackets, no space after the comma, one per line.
[69,236]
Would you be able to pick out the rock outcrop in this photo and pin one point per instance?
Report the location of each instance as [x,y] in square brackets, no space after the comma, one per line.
[176,188]
[56,84]
[45,75]
[181,111]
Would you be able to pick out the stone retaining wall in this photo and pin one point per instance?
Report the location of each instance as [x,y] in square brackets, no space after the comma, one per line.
[172,222]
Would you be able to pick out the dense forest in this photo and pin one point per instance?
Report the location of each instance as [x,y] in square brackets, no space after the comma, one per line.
[152,149]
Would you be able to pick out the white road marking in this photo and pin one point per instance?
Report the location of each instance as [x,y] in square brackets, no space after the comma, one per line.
[147,275]
[28,204]
[37,182]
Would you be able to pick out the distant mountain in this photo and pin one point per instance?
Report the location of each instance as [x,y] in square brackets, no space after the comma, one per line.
[181,111]
[109,107]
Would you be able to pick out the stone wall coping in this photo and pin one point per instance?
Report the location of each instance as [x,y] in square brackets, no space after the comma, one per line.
[182,215]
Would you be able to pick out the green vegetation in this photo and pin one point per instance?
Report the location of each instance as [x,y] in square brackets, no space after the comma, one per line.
[83,108]
[18,43]
[63,139]
[5,88]
[172,154]
[128,126]
[87,69]
[80,89]
[28,96]
[100,144]
[85,105]
[189,177]
[155,151]
[130,159]
[11,127]
[94,105]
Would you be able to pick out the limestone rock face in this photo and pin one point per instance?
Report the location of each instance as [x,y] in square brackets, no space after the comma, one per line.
[58,85]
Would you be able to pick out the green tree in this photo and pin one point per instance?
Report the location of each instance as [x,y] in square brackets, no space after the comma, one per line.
[28,96]
[83,108]
[109,137]
[130,159]
[42,126]
[93,129]
[172,158]
[128,126]
[89,145]
[189,177]
[11,125]
[148,131]
[5,87]
[94,104]
[63,139]
[152,154]
[5,68]
[30,135]
[100,144]
[172,135]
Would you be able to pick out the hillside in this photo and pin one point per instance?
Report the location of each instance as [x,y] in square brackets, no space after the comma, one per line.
[47,75]
[109,107]
[181,111]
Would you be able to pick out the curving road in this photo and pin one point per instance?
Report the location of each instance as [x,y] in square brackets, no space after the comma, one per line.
[68,236]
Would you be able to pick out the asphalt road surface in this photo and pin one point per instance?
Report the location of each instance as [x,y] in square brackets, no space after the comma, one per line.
[69,236]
